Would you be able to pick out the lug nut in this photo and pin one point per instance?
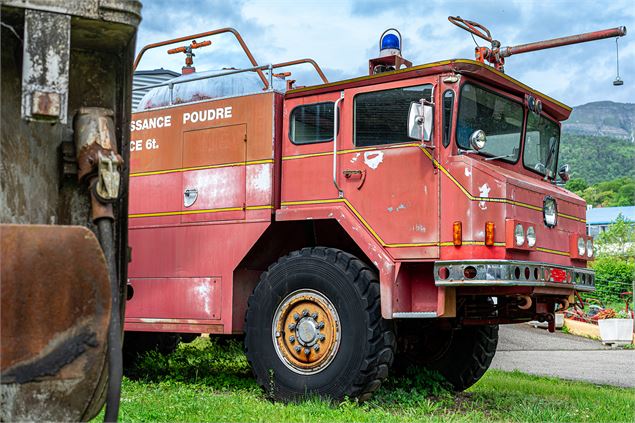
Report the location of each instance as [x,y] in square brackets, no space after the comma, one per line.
[296,316]
[292,326]
[297,348]
[316,347]
[321,338]
[305,312]
[314,315]
[292,339]
[320,325]
[307,351]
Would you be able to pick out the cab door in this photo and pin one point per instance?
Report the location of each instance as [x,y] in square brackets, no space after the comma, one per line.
[388,178]
[214,182]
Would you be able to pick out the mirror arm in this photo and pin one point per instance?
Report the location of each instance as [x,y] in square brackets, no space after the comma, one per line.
[340,193]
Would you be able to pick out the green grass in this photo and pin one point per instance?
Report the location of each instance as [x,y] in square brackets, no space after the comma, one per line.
[207,382]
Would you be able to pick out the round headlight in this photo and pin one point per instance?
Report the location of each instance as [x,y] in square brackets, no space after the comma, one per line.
[589,248]
[478,139]
[519,234]
[550,212]
[531,236]
[581,246]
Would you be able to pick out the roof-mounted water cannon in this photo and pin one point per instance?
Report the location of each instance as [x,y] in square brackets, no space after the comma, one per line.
[189,61]
[496,54]
[390,59]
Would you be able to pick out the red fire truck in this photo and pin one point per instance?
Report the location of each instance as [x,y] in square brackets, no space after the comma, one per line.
[406,213]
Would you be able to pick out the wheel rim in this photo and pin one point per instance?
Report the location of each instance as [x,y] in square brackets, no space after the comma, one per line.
[306,331]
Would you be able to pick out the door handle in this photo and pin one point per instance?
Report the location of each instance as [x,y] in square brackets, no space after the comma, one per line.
[349,174]
[189,196]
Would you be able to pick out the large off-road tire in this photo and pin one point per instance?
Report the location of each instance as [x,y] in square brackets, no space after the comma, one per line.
[462,356]
[314,327]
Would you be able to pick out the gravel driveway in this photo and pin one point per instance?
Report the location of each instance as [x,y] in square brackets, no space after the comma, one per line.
[536,351]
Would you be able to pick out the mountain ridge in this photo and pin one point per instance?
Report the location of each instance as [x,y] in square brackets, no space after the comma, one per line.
[602,118]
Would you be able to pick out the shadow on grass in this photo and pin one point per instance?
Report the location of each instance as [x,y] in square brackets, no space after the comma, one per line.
[211,362]
[221,364]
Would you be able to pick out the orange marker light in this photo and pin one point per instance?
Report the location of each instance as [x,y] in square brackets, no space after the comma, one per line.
[457,234]
[489,233]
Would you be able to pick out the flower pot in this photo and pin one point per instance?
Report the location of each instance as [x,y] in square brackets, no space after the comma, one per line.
[616,331]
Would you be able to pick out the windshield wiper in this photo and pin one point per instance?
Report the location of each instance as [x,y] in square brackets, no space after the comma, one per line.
[550,155]
[500,157]
[504,156]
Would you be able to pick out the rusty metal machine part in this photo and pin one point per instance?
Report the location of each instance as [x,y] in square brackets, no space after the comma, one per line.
[97,157]
[306,331]
[58,58]
[54,319]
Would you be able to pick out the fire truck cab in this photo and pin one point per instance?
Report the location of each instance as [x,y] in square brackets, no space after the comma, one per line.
[396,217]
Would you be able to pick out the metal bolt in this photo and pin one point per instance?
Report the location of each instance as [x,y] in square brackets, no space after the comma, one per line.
[314,315]
[316,347]
[307,351]
[320,325]
[292,339]
[297,348]
[321,337]
[277,334]
[296,316]
[292,326]
[305,312]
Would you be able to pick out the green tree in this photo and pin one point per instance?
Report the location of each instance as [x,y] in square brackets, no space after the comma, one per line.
[613,193]
[597,159]
[577,185]
[618,240]
[615,262]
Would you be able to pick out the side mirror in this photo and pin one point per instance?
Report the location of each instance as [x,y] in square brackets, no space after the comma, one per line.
[420,121]
[564,172]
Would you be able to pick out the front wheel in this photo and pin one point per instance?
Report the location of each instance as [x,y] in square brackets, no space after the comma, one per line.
[314,327]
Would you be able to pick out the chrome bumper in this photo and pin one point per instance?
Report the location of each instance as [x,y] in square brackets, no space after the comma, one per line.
[512,273]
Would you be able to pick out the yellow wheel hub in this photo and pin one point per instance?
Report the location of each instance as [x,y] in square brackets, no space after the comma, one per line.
[306,331]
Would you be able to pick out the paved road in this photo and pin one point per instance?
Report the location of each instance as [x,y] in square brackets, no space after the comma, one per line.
[536,351]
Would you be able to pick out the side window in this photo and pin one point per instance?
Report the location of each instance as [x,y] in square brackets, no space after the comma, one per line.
[312,123]
[381,117]
[448,107]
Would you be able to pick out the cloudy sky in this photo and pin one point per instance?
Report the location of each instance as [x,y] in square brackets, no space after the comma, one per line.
[342,35]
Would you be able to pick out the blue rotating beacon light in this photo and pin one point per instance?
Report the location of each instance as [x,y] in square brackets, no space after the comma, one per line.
[390,59]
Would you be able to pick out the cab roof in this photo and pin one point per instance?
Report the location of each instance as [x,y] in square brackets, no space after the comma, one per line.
[472,68]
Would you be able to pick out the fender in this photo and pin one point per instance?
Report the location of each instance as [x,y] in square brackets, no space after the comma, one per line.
[350,223]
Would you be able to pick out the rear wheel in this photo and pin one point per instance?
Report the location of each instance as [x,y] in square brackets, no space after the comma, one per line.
[462,356]
[314,327]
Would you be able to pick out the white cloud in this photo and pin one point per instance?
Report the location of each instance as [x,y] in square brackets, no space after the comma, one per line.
[343,35]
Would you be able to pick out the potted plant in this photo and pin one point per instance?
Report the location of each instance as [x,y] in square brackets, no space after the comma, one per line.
[616,327]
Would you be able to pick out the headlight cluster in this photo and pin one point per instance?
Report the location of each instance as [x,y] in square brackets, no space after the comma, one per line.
[585,247]
[520,235]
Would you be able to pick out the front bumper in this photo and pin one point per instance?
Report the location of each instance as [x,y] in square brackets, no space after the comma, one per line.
[512,273]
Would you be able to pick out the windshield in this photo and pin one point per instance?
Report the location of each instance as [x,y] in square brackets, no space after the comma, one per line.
[499,117]
[541,145]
